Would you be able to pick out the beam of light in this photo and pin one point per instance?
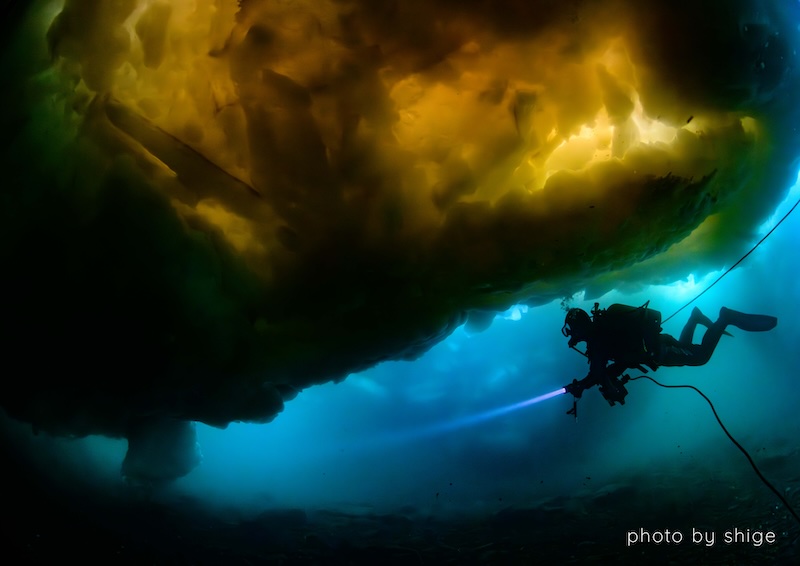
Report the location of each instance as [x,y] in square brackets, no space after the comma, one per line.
[419,433]
[485,416]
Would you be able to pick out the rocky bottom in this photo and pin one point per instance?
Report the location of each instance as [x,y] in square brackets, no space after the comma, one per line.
[663,518]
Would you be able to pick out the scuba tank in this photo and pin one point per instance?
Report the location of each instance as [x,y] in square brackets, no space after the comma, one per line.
[632,332]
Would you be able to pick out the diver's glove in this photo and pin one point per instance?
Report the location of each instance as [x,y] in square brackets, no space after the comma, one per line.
[576,388]
[611,388]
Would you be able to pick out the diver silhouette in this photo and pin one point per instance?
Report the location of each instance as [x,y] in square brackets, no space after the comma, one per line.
[624,337]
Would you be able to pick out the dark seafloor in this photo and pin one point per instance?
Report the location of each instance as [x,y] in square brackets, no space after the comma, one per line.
[67,521]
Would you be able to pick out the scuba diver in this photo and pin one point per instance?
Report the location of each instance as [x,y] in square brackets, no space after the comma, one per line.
[623,337]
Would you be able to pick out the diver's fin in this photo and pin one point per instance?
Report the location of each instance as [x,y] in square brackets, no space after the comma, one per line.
[698,316]
[748,322]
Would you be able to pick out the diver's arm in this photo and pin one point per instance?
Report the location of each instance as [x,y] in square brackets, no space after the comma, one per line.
[606,377]
[597,369]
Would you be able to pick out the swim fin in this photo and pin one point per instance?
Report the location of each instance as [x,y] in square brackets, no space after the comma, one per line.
[698,317]
[748,322]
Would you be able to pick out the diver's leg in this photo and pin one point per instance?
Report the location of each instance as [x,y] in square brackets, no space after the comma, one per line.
[673,352]
[703,352]
[697,317]
[748,322]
